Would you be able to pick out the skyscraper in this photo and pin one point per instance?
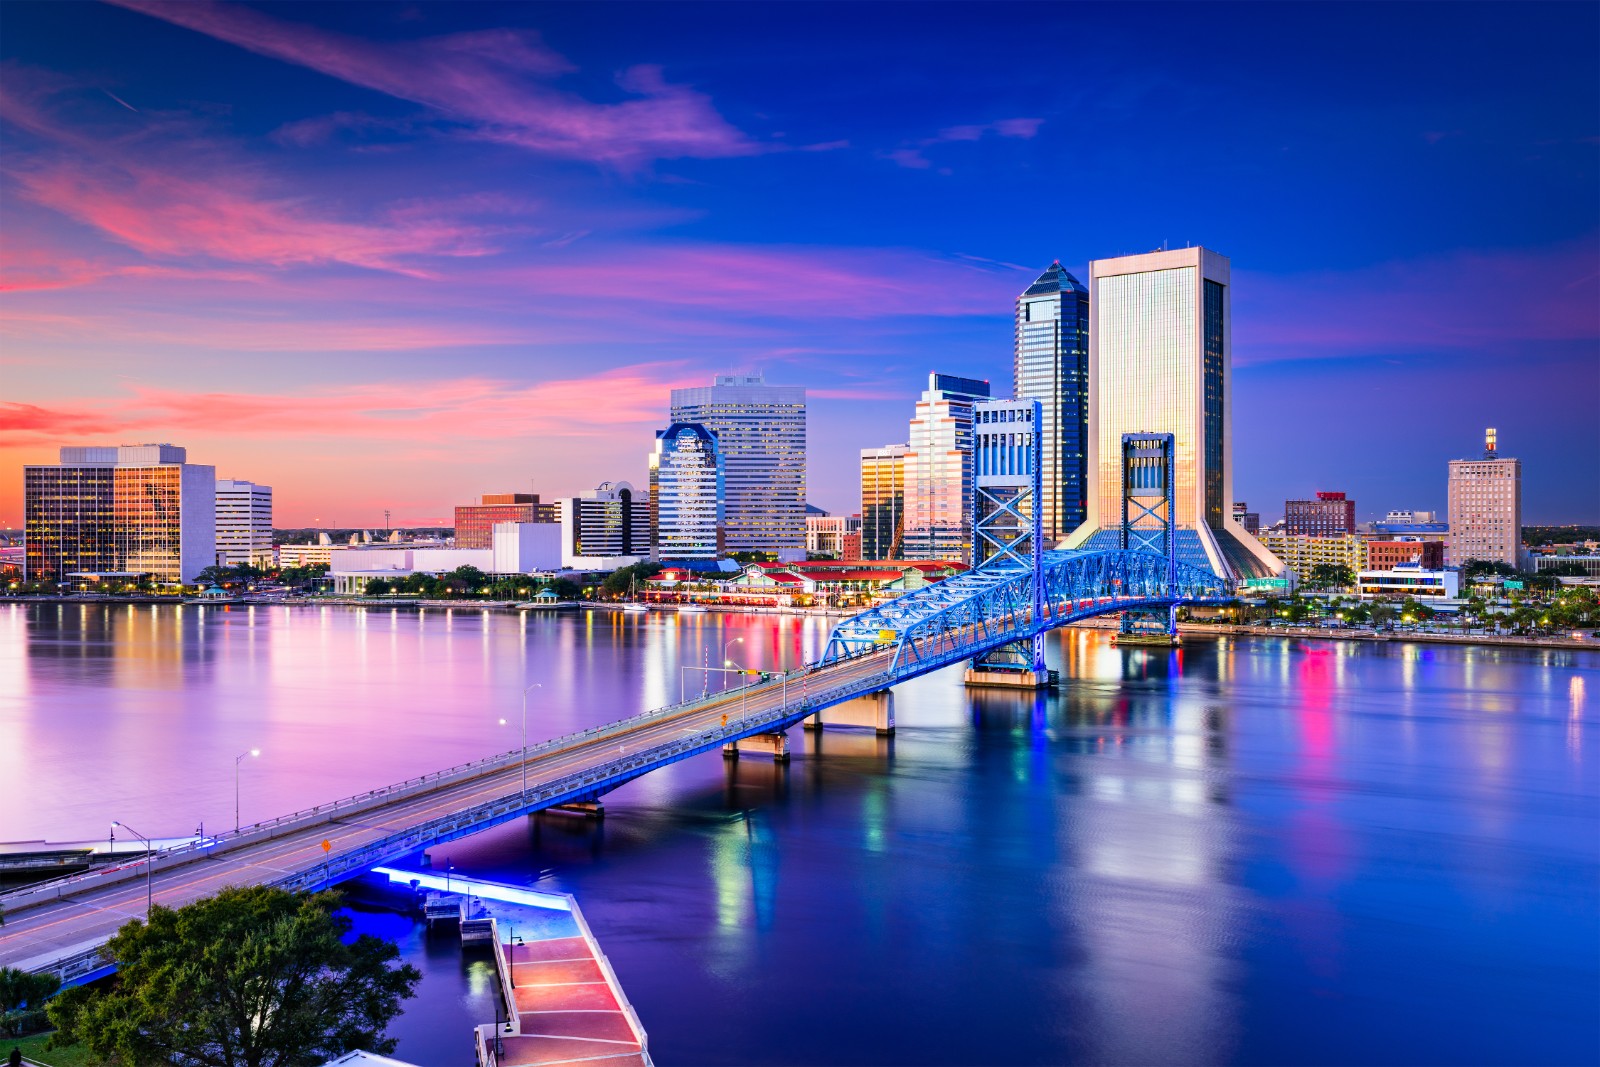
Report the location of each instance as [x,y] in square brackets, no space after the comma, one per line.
[761,436]
[608,522]
[883,501]
[939,491]
[1159,362]
[1051,363]
[244,523]
[129,510]
[1485,507]
[687,494]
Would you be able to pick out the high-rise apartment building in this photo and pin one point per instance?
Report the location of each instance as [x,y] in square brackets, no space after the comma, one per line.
[607,522]
[687,494]
[761,437]
[883,501]
[244,523]
[1051,364]
[1485,507]
[125,511]
[939,487]
[475,523]
[1159,362]
[1330,515]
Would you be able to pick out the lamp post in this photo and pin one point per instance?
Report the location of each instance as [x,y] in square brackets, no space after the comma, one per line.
[736,641]
[149,867]
[525,691]
[236,761]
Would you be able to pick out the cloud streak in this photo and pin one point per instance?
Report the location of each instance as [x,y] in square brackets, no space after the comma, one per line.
[490,81]
[452,409]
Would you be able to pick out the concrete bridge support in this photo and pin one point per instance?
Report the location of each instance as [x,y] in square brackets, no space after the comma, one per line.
[1153,627]
[1003,679]
[588,809]
[875,710]
[775,745]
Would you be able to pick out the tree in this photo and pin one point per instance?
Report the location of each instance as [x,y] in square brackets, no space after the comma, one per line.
[22,997]
[377,586]
[1332,576]
[252,977]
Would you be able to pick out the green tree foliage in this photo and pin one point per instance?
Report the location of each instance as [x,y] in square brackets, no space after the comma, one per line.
[1332,576]
[240,574]
[252,977]
[22,997]
[298,577]
[618,582]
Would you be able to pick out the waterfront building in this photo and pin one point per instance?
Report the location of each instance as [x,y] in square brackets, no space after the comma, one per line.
[120,512]
[687,494]
[1160,362]
[1329,515]
[1250,520]
[836,536]
[883,501]
[1301,554]
[1051,365]
[244,523]
[475,522]
[852,582]
[1408,580]
[761,436]
[605,528]
[1407,516]
[1485,507]
[939,488]
[304,555]
[515,548]
[1387,554]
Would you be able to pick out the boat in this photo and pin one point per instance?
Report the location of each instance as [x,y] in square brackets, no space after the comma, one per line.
[691,609]
[635,607]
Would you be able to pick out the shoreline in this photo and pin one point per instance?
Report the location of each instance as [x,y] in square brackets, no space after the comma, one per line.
[509,607]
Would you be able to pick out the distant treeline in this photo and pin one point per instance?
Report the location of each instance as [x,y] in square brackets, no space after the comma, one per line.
[1534,536]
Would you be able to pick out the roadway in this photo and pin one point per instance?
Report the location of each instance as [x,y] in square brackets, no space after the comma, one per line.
[38,937]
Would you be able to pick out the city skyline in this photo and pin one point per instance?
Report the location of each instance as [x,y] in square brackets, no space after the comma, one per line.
[187,260]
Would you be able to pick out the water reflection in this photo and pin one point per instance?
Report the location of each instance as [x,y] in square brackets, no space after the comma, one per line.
[1236,851]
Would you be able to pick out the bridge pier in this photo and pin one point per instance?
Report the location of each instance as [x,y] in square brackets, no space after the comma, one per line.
[588,809]
[874,710]
[775,745]
[1152,627]
[1001,679]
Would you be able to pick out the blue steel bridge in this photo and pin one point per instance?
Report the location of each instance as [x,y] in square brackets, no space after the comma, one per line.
[61,925]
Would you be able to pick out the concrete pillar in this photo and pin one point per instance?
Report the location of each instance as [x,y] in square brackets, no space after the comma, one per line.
[775,745]
[875,710]
[589,809]
[999,679]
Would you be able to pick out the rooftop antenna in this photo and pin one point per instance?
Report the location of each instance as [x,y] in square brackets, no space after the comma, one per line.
[386,526]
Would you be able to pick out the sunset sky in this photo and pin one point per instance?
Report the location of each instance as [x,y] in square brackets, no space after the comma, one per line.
[397,255]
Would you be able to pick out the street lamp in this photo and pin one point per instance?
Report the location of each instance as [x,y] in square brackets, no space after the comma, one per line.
[149,866]
[236,761]
[535,685]
[726,660]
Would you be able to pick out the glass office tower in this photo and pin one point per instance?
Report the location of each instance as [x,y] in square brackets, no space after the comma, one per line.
[939,487]
[761,435]
[883,501]
[686,494]
[1159,362]
[1051,364]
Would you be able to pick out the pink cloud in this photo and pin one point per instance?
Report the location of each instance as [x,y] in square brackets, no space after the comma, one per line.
[912,157]
[491,81]
[1468,299]
[408,411]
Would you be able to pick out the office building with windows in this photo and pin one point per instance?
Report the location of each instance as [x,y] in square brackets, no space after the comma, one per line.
[939,487]
[1303,554]
[833,536]
[883,501]
[1051,364]
[605,528]
[687,494]
[761,436]
[1159,362]
[244,523]
[475,522]
[1330,515]
[1250,520]
[1485,507]
[120,512]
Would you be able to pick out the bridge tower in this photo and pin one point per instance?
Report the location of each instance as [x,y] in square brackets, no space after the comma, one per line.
[1008,528]
[1149,524]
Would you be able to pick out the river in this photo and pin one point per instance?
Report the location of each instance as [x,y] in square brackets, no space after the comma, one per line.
[1249,850]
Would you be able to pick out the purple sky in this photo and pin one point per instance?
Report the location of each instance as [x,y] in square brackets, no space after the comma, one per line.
[394,256]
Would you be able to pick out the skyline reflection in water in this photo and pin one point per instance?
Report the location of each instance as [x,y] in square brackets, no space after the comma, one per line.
[1250,850]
